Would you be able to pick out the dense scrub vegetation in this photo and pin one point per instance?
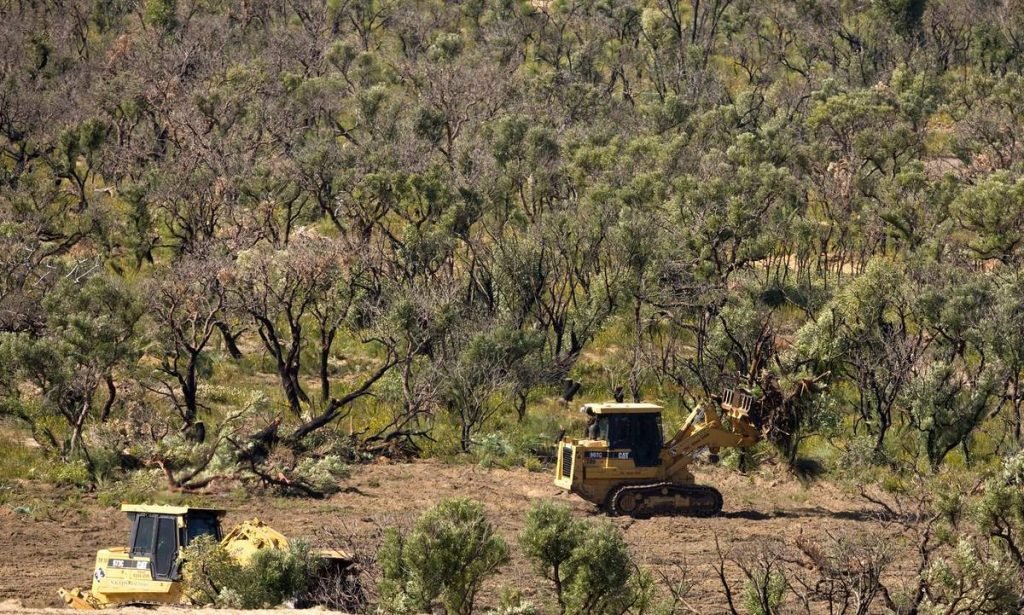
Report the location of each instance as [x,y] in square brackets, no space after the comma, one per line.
[255,241]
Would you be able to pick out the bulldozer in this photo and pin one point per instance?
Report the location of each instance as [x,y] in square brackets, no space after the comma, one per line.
[148,570]
[625,467]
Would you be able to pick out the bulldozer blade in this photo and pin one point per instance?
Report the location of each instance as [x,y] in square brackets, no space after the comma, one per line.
[77,599]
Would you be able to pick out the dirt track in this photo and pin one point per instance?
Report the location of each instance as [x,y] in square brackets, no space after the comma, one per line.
[42,551]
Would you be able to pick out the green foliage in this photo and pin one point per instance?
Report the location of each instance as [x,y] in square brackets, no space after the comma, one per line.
[138,486]
[444,559]
[494,449]
[210,570]
[601,577]
[442,206]
[511,603]
[550,538]
[324,474]
[19,461]
[998,512]
[993,212]
[72,474]
[589,564]
[970,581]
[89,331]
[211,576]
[764,591]
[948,410]
[513,446]
[161,14]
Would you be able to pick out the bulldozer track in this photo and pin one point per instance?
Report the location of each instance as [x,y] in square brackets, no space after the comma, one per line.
[648,499]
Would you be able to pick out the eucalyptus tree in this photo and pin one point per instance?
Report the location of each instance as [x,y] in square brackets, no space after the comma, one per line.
[276,290]
[869,332]
[89,336]
[186,302]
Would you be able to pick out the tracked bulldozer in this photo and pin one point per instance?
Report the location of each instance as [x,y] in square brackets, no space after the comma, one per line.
[625,467]
[148,570]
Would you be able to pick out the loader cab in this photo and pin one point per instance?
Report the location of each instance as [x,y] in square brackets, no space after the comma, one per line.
[635,428]
[159,533]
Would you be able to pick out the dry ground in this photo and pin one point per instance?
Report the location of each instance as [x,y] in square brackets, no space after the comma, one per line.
[43,550]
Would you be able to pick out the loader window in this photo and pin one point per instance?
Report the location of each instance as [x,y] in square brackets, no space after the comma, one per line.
[638,433]
[142,539]
[202,525]
[647,439]
[166,548]
[620,431]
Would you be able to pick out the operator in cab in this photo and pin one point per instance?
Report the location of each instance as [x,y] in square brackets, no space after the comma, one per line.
[593,430]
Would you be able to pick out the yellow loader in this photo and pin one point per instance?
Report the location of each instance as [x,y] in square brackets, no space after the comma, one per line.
[148,570]
[624,465]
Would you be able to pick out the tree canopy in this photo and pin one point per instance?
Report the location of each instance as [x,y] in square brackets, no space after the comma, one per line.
[406,213]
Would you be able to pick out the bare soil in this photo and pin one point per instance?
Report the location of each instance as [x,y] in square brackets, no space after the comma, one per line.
[54,544]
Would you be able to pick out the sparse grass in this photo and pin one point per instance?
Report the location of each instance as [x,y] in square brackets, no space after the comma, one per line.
[819,449]
[138,486]
[19,461]
[9,492]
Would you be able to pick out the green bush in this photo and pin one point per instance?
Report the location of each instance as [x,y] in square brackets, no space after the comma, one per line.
[208,571]
[550,538]
[603,580]
[137,486]
[764,591]
[511,603]
[589,564]
[495,450]
[7,491]
[445,559]
[517,447]
[970,581]
[212,577]
[324,474]
[71,474]
[275,576]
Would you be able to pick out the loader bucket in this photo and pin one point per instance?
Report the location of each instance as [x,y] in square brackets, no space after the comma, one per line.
[78,599]
[251,536]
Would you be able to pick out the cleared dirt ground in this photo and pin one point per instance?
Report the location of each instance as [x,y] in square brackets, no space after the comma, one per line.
[54,545]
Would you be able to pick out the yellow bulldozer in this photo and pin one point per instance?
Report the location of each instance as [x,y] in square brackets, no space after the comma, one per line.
[148,570]
[625,467]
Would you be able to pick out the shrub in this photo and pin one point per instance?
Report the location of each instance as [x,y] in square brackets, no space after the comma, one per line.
[275,576]
[860,453]
[550,538]
[208,571]
[589,564]
[212,576]
[323,474]
[138,486]
[602,578]
[764,591]
[511,603]
[516,447]
[7,491]
[968,581]
[447,556]
[71,474]
[494,449]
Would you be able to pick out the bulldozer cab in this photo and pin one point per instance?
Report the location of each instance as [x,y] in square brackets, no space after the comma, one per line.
[159,533]
[632,429]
